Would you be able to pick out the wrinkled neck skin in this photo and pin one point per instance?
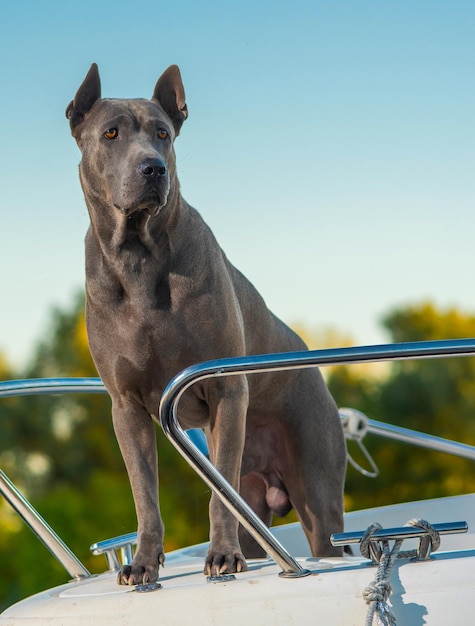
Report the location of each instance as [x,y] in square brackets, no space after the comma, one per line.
[130,259]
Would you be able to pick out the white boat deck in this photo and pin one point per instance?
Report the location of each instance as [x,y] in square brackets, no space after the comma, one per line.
[439,591]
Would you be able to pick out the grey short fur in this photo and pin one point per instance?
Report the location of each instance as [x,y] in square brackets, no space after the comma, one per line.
[162,295]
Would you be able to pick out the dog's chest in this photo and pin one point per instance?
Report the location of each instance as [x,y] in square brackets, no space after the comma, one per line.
[137,352]
[148,328]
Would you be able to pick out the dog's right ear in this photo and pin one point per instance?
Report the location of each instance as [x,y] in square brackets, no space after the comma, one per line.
[86,95]
[169,92]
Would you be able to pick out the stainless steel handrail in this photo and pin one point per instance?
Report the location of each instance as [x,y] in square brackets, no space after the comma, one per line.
[41,528]
[168,413]
[423,440]
[226,367]
[43,386]
[24,508]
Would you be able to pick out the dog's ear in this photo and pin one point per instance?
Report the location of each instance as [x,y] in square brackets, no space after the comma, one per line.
[170,94]
[86,95]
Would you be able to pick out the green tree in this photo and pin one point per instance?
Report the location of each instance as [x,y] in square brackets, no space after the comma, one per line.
[436,396]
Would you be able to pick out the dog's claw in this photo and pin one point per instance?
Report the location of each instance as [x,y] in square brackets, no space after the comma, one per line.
[136,574]
[218,564]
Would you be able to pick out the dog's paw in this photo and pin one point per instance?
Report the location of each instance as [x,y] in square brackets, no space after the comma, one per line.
[137,574]
[217,563]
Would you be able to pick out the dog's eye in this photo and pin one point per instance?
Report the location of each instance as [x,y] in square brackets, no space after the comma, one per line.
[162,133]
[112,133]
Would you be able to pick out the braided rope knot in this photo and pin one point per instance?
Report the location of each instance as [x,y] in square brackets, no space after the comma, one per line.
[377,591]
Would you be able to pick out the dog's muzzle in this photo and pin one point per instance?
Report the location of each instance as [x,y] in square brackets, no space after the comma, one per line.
[149,188]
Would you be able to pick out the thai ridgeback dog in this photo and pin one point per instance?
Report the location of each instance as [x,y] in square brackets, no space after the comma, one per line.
[161,295]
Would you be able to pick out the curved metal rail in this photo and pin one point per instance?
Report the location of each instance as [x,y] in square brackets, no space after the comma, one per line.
[186,447]
[168,413]
[31,517]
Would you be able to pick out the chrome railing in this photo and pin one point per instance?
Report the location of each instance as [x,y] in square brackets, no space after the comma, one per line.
[274,362]
[42,529]
[31,517]
[43,386]
[169,422]
[423,440]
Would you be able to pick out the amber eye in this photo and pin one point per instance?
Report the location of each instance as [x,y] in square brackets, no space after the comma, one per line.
[112,133]
[162,133]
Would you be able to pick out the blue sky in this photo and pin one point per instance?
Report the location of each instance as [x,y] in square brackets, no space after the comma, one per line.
[330,145]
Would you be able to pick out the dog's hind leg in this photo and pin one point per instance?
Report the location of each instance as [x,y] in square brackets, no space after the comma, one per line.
[315,467]
[320,511]
[316,495]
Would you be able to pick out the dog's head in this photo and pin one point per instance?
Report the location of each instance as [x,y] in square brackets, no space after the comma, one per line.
[128,159]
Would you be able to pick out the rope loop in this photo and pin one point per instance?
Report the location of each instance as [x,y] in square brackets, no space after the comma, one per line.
[377,593]
[371,549]
[430,542]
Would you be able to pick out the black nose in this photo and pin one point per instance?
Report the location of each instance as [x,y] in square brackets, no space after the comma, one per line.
[153,167]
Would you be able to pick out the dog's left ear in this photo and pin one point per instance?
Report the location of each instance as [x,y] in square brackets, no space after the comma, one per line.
[170,94]
[86,96]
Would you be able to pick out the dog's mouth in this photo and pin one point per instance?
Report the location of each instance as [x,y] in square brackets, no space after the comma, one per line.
[144,196]
[144,199]
[152,207]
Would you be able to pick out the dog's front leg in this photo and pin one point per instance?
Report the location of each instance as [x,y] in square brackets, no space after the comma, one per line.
[228,403]
[135,432]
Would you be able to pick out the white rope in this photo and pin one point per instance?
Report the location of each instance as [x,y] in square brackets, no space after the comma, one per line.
[429,543]
[377,593]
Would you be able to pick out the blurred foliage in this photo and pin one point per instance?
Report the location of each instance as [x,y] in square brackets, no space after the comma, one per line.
[436,396]
[62,453]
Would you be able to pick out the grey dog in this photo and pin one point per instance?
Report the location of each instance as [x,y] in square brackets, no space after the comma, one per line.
[161,295]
